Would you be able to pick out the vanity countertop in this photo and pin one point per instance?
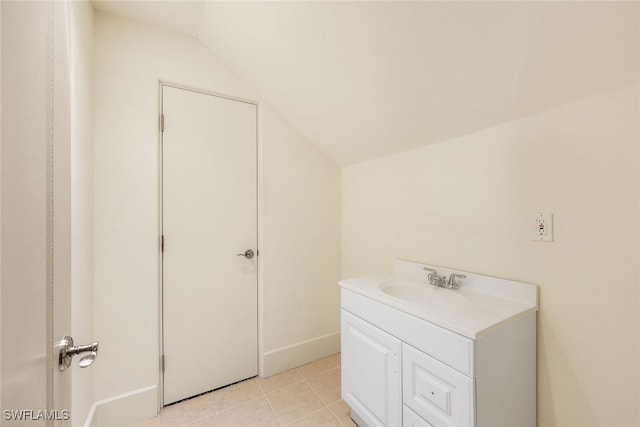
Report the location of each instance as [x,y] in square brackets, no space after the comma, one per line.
[481,304]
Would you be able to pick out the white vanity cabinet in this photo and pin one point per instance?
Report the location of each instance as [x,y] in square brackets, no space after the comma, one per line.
[400,369]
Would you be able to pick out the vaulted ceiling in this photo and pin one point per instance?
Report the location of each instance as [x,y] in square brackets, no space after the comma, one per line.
[366,79]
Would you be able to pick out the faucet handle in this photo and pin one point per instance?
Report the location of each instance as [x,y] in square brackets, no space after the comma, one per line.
[433,277]
[430,270]
[452,280]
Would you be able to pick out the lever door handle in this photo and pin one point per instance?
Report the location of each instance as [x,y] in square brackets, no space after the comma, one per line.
[248,254]
[68,350]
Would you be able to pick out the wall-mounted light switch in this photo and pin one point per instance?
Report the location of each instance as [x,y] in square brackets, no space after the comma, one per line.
[543,227]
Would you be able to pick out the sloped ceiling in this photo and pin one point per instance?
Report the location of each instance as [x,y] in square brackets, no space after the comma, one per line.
[366,79]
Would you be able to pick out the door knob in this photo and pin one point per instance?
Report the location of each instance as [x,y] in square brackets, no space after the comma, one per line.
[248,254]
[68,350]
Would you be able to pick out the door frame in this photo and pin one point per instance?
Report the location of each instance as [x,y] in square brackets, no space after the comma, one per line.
[259,234]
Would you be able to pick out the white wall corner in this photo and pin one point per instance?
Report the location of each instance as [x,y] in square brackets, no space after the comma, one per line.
[292,356]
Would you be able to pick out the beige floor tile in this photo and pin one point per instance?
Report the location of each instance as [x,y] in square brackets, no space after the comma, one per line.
[151,422]
[321,418]
[314,368]
[327,385]
[211,421]
[275,382]
[342,411]
[336,358]
[253,413]
[294,401]
[188,411]
[306,396]
[233,395]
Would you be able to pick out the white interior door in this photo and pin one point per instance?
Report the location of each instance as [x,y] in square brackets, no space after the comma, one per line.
[209,215]
[35,232]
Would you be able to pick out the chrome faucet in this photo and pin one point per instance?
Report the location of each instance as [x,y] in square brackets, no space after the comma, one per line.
[436,280]
[452,284]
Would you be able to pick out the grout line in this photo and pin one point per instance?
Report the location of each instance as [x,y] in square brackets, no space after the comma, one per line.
[335,401]
[319,397]
[336,415]
[316,392]
[313,390]
[272,410]
[283,386]
[300,373]
[311,385]
[213,403]
[260,387]
[241,402]
[311,413]
[316,361]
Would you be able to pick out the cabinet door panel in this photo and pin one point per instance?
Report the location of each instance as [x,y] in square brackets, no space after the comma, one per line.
[436,392]
[371,372]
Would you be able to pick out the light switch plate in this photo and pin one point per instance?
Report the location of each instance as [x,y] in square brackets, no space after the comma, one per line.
[543,230]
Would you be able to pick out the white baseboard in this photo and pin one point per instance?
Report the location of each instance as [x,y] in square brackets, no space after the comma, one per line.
[125,409]
[291,356]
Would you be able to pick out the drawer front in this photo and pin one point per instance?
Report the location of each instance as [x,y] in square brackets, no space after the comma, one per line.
[411,419]
[437,393]
[446,346]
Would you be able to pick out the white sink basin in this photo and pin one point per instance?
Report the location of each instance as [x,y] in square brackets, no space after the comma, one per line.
[422,294]
[481,303]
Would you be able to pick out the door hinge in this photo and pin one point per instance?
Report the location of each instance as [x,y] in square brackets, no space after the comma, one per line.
[161,122]
[162,363]
[162,243]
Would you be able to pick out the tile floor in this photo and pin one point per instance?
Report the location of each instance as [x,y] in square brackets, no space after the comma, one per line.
[307,396]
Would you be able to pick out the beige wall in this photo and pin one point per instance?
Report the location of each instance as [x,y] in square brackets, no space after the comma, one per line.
[81,53]
[299,248]
[468,202]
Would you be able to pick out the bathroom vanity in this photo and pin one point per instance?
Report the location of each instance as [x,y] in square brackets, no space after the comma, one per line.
[419,355]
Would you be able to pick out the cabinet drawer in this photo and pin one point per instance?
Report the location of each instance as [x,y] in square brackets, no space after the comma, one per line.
[436,392]
[411,419]
[446,346]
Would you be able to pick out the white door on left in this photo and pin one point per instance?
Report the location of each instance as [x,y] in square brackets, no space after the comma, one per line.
[36,212]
